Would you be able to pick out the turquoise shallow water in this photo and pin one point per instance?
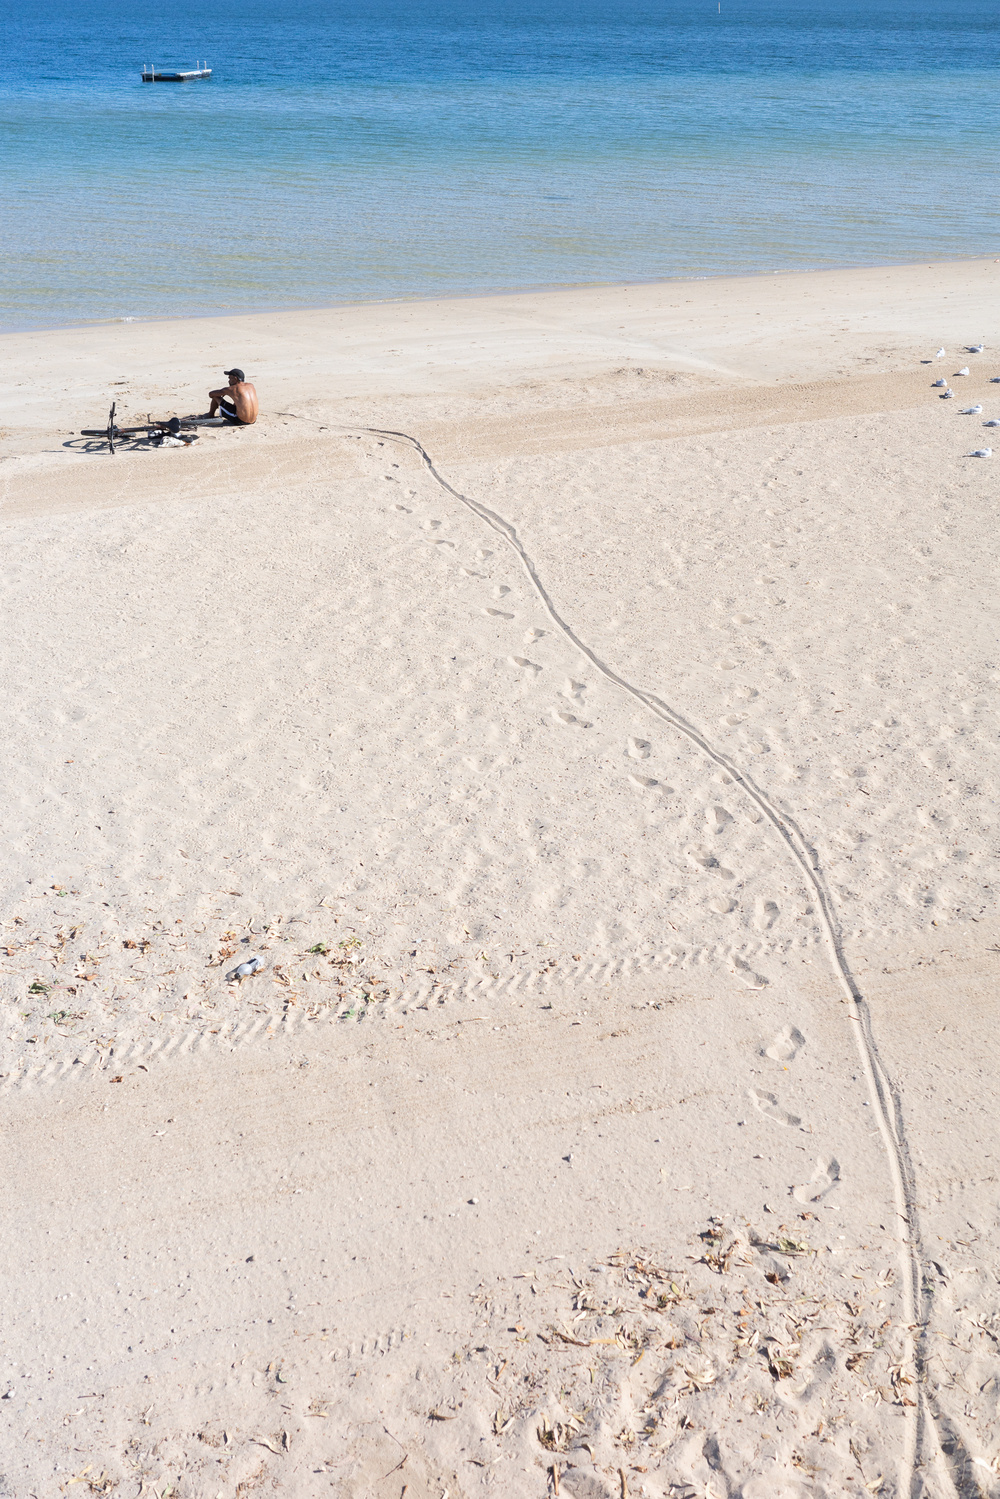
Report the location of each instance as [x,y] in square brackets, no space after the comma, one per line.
[448,148]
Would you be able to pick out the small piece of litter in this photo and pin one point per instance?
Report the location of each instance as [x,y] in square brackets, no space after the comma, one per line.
[244,970]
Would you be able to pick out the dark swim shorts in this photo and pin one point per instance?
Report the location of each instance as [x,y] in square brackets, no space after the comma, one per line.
[228,410]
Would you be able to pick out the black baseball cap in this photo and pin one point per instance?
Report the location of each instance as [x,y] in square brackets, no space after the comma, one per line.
[238,373]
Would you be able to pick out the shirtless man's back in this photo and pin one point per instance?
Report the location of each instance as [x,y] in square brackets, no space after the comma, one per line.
[237,401]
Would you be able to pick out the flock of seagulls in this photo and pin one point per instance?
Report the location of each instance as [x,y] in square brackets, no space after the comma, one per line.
[947,394]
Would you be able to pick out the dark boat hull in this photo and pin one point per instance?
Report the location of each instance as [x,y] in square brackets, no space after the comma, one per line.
[154,77]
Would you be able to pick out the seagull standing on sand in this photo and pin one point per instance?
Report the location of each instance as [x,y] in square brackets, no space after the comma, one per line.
[946,395]
[940,354]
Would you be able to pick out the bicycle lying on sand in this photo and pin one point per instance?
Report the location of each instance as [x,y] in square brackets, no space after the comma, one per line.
[153,432]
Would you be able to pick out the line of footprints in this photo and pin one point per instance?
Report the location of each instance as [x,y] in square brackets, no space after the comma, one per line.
[789,1041]
[785,1048]
[573,691]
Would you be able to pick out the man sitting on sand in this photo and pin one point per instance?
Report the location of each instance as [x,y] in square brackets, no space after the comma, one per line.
[235,402]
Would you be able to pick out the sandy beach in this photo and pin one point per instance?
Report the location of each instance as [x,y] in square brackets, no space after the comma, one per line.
[583,703]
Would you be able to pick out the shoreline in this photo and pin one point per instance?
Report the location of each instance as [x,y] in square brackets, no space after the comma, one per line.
[542,289]
[650,360]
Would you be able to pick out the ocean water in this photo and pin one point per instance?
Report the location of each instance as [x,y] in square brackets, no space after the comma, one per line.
[391,150]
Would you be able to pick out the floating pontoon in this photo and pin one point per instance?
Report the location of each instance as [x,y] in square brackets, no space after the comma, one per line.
[159,75]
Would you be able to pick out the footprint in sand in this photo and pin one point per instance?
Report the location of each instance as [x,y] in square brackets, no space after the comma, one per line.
[531,635]
[769,1106]
[444,543]
[639,780]
[786,1045]
[431,525]
[722,904]
[639,749]
[524,663]
[468,572]
[745,973]
[824,1179]
[718,819]
[405,509]
[501,591]
[483,555]
[767,915]
[569,718]
[776,1487]
[498,614]
[710,862]
[574,690]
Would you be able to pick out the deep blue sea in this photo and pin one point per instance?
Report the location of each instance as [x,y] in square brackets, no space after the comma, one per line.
[388,150]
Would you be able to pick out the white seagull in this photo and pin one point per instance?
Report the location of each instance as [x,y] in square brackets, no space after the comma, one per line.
[963,371]
[975,348]
[940,354]
[992,423]
[941,382]
[946,395]
[971,411]
[981,453]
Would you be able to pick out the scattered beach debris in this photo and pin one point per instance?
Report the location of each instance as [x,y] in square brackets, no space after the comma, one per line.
[244,970]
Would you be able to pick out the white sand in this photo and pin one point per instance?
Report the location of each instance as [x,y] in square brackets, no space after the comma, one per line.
[606,771]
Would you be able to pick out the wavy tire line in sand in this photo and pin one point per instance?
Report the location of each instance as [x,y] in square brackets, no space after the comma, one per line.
[77,1064]
[885,1099]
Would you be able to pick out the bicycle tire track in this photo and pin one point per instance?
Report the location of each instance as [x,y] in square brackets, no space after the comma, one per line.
[885,1098]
